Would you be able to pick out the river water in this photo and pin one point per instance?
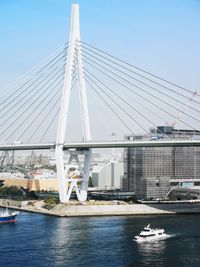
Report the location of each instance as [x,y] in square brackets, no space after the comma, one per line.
[39,240]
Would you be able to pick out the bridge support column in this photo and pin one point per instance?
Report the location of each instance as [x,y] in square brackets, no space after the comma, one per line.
[62,182]
[66,184]
[80,185]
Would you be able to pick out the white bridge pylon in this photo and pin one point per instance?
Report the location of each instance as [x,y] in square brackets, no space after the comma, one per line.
[66,185]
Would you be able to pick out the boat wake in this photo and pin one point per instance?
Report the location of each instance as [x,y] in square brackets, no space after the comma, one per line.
[167,236]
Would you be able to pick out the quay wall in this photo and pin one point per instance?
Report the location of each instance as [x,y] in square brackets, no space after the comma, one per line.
[86,209]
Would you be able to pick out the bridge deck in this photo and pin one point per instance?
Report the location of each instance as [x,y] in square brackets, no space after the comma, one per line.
[86,145]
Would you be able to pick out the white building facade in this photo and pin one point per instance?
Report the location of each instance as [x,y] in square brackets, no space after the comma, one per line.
[107,175]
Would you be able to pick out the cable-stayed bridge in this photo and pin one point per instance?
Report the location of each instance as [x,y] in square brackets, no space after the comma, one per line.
[121,98]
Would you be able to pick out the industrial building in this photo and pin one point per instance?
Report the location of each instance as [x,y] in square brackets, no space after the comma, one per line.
[149,171]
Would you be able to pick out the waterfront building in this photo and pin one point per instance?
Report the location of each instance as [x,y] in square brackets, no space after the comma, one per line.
[107,175]
[39,184]
[150,171]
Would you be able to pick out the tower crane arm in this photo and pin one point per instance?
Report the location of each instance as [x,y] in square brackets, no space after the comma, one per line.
[185,107]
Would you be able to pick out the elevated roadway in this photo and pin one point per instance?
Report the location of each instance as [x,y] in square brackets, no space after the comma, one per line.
[94,144]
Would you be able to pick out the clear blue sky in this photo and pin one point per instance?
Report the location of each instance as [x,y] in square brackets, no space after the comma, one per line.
[160,36]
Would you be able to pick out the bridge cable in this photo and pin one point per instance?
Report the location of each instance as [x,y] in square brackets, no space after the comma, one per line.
[133,66]
[9,96]
[46,105]
[103,99]
[137,93]
[23,122]
[31,99]
[76,65]
[13,84]
[36,130]
[155,114]
[87,78]
[153,88]
[19,101]
[48,115]
[142,89]
[125,102]
[36,86]
[56,114]
[34,101]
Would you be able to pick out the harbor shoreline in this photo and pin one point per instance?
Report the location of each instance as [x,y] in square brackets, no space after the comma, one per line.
[87,210]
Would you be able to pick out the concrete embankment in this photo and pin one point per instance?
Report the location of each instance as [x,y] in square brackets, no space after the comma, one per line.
[78,209]
[106,210]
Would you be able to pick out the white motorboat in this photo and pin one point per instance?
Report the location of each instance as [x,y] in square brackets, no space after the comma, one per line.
[148,234]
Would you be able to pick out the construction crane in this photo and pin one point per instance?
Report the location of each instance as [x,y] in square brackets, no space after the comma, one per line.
[185,107]
[7,159]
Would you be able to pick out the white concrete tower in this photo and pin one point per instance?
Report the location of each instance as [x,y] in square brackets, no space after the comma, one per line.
[66,185]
